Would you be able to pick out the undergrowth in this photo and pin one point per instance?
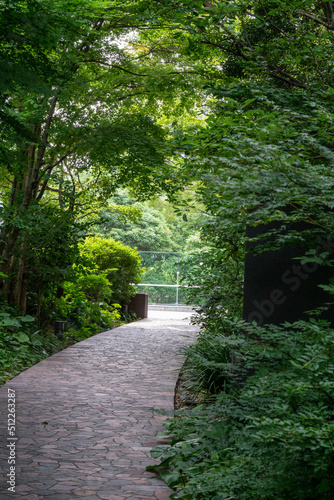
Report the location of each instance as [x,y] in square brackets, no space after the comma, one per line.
[265,430]
[23,344]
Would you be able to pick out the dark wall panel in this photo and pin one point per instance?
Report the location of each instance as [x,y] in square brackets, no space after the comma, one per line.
[278,288]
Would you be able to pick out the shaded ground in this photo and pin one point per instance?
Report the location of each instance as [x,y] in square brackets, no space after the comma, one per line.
[86,419]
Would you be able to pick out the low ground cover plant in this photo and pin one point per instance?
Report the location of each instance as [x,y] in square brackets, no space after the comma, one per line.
[22,344]
[266,428]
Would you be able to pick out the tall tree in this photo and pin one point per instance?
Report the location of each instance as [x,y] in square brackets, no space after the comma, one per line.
[80,115]
[268,138]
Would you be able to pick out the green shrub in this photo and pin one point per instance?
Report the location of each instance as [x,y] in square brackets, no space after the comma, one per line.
[90,318]
[270,437]
[95,287]
[119,263]
[209,364]
[77,308]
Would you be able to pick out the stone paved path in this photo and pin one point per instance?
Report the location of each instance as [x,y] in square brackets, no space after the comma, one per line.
[85,417]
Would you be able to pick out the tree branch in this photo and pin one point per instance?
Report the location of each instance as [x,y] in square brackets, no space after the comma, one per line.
[219,46]
[245,34]
[49,168]
[275,71]
[328,11]
[68,172]
[131,95]
[86,215]
[115,66]
[314,18]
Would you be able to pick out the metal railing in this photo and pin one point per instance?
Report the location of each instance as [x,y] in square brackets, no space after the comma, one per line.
[168,273]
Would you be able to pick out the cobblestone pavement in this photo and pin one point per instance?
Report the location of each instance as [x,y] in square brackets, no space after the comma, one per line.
[86,417]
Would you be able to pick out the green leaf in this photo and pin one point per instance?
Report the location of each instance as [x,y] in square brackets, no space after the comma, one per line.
[27,319]
[22,337]
[249,101]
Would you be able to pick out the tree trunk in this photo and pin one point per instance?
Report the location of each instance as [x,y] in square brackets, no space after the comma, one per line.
[20,290]
[23,191]
[39,302]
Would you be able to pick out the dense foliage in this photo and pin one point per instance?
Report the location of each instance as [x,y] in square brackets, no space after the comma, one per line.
[264,436]
[76,128]
[264,428]
[80,84]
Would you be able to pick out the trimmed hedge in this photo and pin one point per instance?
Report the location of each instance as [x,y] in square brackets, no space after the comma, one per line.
[119,263]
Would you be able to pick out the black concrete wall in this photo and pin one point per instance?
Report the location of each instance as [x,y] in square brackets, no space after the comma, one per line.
[278,288]
[139,305]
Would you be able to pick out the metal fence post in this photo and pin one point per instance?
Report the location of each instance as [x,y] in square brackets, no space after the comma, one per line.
[177,279]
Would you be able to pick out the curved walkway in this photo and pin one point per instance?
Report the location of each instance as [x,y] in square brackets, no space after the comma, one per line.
[86,417]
